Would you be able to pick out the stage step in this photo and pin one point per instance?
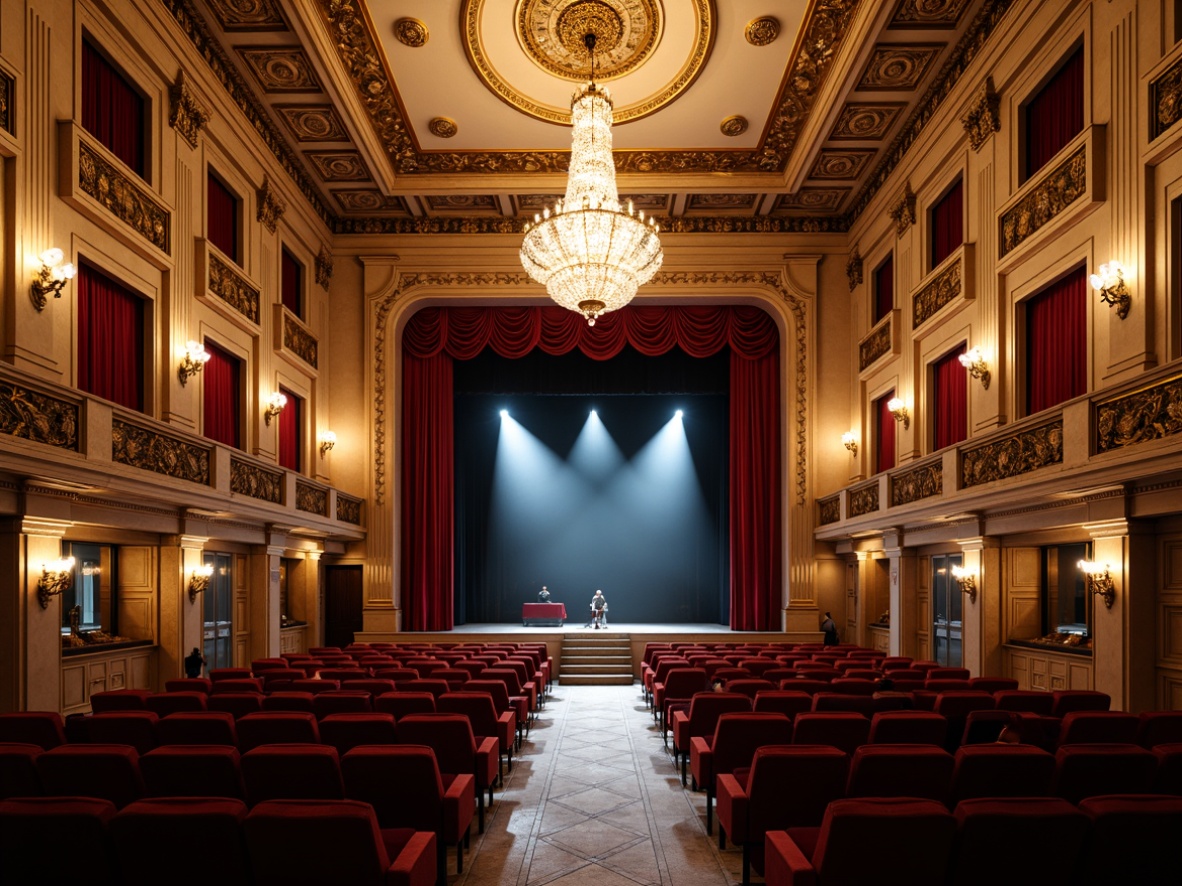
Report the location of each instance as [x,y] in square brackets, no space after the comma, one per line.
[596,659]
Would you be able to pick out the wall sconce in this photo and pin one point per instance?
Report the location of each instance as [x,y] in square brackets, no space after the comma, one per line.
[52,277]
[1110,283]
[199,580]
[275,404]
[56,578]
[899,410]
[1099,581]
[850,442]
[974,362]
[967,579]
[195,359]
[327,441]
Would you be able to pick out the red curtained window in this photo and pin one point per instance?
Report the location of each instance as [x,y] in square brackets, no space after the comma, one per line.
[222,385]
[110,339]
[950,416]
[290,280]
[112,109]
[884,433]
[221,221]
[291,431]
[947,224]
[884,288]
[1057,343]
[1056,114]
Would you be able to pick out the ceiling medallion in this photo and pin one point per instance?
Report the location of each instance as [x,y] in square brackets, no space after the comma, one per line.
[411,32]
[444,127]
[762,31]
[734,125]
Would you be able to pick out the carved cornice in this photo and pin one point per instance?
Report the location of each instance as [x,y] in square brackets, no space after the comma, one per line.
[256,482]
[299,341]
[231,287]
[1016,454]
[311,499]
[829,510]
[853,269]
[348,509]
[938,292]
[1165,100]
[323,267]
[877,343]
[271,207]
[983,118]
[160,453]
[917,484]
[7,115]
[123,197]
[902,211]
[1057,190]
[762,224]
[38,417]
[185,114]
[1149,414]
[863,500]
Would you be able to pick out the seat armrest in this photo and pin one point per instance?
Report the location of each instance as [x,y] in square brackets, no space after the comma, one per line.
[459,805]
[416,862]
[733,806]
[784,863]
[488,760]
[701,761]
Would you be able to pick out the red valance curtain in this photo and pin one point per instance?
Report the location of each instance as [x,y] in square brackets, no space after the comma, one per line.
[947,224]
[222,397]
[1057,343]
[110,339]
[884,288]
[435,337]
[884,425]
[221,218]
[289,283]
[1056,115]
[112,111]
[289,431]
[950,385]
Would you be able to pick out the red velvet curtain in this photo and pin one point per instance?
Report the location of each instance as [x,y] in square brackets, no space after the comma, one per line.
[884,288]
[222,397]
[289,283]
[947,224]
[885,427]
[950,384]
[1057,343]
[110,339]
[436,336]
[221,222]
[290,426]
[1056,114]
[112,111]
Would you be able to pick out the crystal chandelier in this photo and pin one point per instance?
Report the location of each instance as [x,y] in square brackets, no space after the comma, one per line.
[589,252]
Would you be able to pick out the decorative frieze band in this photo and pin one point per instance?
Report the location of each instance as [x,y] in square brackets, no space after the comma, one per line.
[185,114]
[983,117]
[1017,454]
[853,269]
[160,453]
[122,197]
[903,211]
[348,509]
[938,292]
[863,500]
[1065,184]
[231,287]
[256,482]
[32,416]
[915,485]
[7,93]
[299,340]
[1148,414]
[1165,100]
[271,207]
[311,499]
[830,510]
[876,344]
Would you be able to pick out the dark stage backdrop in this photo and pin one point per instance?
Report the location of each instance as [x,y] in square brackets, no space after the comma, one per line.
[641,515]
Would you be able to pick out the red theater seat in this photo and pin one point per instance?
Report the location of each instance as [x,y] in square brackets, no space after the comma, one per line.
[120,700]
[1068,700]
[900,770]
[164,703]
[154,841]
[1134,839]
[346,731]
[733,745]
[110,772]
[1024,701]
[135,728]
[18,770]
[782,701]
[34,832]
[1090,770]
[701,718]
[846,730]
[237,703]
[1159,727]
[1098,727]
[42,728]
[1027,840]
[457,751]
[277,727]
[209,727]
[908,727]
[189,684]
[399,704]
[292,772]
[195,770]
[1002,770]
[288,700]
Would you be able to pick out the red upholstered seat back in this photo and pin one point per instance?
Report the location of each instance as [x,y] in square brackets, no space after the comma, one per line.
[108,771]
[900,770]
[908,727]
[1099,727]
[120,700]
[791,785]
[277,727]
[341,701]
[1032,702]
[736,737]
[1034,839]
[400,703]
[784,701]
[135,728]
[449,735]
[201,770]
[164,703]
[841,729]
[237,703]
[32,830]
[1159,727]
[1090,770]
[1068,700]
[862,838]
[209,727]
[43,728]
[346,731]
[476,706]
[151,836]
[292,771]
[18,770]
[1134,838]
[401,782]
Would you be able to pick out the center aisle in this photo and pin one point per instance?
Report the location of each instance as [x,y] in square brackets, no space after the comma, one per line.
[594,799]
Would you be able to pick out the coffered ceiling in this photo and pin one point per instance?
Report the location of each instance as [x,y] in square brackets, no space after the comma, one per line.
[421,115]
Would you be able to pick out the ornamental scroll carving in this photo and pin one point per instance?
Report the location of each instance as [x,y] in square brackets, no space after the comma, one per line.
[830,510]
[121,196]
[36,417]
[311,499]
[1145,415]
[1165,100]
[348,509]
[943,289]
[232,288]
[6,93]
[1014,455]
[853,269]
[186,115]
[863,500]
[983,118]
[323,268]
[1063,186]
[915,485]
[160,453]
[875,345]
[903,211]
[256,482]
[271,207]
[299,341]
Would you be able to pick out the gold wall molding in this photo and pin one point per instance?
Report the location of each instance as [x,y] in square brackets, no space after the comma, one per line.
[917,484]
[185,113]
[30,415]
[299,340]
[1055,191]
[983,118]
[323,267]
[877,344]
[942,289]
[863,500]
[124,198]
[271,206]
[1165,100]
[902,211]
[255,481]
[232,288]
[853,269]
[727,224]
[829,510]
[348,509]
[311,499]
[1016,454]
[1148,414]
[159,453]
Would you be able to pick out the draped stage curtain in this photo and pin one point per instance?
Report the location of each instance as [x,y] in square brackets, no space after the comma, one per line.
[1056,115]
[884,289]
[112,111]
[947,224]
[950,384]
[435,337]
[290,431]
[885,425]
[110,339]
[1057,343]
[222,405]
[221,218]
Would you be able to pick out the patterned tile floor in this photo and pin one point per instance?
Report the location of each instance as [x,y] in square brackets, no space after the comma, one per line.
[595,799]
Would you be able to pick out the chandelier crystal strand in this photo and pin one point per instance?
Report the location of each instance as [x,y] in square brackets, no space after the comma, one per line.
[591,254]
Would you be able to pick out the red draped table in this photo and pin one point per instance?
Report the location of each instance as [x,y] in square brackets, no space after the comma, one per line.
[543,614]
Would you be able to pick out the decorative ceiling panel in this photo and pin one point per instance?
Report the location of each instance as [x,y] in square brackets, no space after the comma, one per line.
[928,13]
[248,15]
[811,200]
[313,123]
[897,67]
[866,121]
[280,68]
[841,165]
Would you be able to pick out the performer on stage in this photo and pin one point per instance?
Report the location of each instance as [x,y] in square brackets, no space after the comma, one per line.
[543,595]
[599,609]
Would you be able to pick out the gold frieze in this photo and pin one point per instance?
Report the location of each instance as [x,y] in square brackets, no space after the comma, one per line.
[863,500]
[1149,414]
[917,484]
[185,114]
[1014,455]
[232,288]
[271,207]
[299,341]
[902,211]
[256,482]
[311,499]
[937,293]
[829,510]
[1165,100]
[123,197]
[1065,184]
[348,509]
[983,118]
[160,453]
[32,416]
[877,344]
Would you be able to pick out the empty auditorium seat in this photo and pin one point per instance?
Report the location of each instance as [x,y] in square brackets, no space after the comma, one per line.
[195,770]
[197,727]
[1167,779]
[456,750]
[736,737]
[237,703]
[1098,727]
[42,728]
[1001,770]
[110,772]
[992,684]
[154,840]
[346,731]
[900,770]
[1024,700]
[1159,727]
[120,700]
[908,727]
[18,770]
[135,728]
[236,684]
[189,684]
[341,701]
[485,721]
[783,701]
[292,772]
[1068,700]
[216,675]
[35,830]
[1133,839]
[164,703]
[840,729]
[288,700]
[864,705]
[1028,840]
[701,718]
[277,727]
[1089,770]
